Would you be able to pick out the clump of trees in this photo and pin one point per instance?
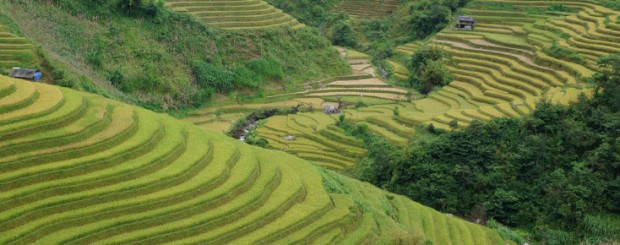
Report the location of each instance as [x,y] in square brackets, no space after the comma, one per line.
[427,67]
[555,173]
[428,16]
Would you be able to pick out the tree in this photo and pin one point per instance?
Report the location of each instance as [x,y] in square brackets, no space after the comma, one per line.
[428,17]
[428,69]
[608,82]
[344,35]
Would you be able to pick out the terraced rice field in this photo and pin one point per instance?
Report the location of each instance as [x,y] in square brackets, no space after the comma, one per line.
[362,83]
[79,168]
[14,50]
[367,8]
[221,119]
[317,139]
[235,14]
[501,69]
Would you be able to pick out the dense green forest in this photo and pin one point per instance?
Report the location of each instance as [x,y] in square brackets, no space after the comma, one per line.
[554,173]
[143,53]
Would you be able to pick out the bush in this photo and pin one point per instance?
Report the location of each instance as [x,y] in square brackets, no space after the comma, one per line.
[344,35]
[211,76]
[428,69]
[428,17]
[246,78]
[268,68]
[140,7]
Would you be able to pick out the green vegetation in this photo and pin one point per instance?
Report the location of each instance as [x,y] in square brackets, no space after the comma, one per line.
[517,170]
[149,59]
[559,52]
[515,122]
[428,69]
[15,51]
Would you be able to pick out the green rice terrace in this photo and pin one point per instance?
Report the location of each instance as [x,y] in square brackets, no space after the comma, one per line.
[367,8]
[235,14]
[78,168]
[14,50]
[272,139]
[498,73]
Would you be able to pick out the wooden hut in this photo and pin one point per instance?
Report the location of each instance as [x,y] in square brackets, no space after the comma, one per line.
[465,23]
[22,73]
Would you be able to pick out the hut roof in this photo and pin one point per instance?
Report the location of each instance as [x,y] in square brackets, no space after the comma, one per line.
[22,73]
[465,18]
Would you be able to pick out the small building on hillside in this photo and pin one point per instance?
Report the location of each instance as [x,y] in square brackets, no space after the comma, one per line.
[23,73]
[465,23]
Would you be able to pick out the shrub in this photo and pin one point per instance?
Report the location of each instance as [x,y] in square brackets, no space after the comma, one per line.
[428,17]
[117,78]
[428,69]
[268,68]
[247,78]
[559,8]
[211,76]
[140,7]
[344,35]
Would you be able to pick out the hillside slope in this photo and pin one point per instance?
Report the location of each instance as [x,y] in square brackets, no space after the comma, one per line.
[78,168]
[151,60]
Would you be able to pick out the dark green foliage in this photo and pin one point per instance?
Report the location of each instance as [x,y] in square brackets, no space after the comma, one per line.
[428,17]
[428,69]
[211,76]
[310,12]
[396,111]
[548,172]
[253,139]
[612,4]
[140,7]
[560,8]
[560,52]
[608,82]
[251,76]
[344,35]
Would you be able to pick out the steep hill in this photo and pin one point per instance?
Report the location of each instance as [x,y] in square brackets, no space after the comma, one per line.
[79,168]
